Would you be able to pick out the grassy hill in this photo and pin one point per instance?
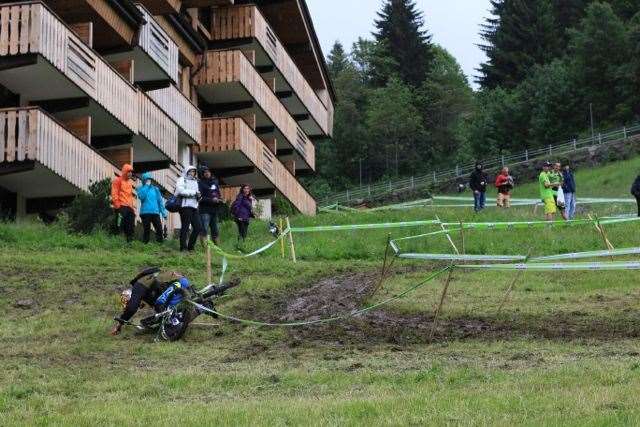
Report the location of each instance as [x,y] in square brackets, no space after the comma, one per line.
[564,350]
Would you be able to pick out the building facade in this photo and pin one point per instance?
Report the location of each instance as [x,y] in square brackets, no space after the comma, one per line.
[88,85]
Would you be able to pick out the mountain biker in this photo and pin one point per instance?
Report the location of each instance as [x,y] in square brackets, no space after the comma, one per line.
[156,288]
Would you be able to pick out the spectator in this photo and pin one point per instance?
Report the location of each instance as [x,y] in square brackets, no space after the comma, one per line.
[504,183]
[546,192]
[242,211]
[123,199]
[151,209]
[569,189]
[209,204]
[187,190]
[555,178]
[635,191]
[478,184]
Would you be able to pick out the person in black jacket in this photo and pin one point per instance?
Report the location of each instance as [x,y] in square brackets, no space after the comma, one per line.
[478,184]
[635,191]
[209,204]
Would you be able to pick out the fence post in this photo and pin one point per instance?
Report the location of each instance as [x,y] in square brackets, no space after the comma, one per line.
[526,155]
[369,190]
[550,149]
[390,186]
[575,144]
[412,183]
[625,132]
[347,195]
[600,138]
[434,177]
[457,171]
[502,160]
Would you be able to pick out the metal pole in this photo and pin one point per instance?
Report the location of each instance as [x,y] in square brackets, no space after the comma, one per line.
[593,133]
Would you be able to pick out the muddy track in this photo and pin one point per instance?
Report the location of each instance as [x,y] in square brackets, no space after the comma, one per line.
[346,293]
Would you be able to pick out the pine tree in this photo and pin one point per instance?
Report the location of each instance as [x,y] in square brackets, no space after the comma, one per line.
[400,30]
[337,60]
[523,33]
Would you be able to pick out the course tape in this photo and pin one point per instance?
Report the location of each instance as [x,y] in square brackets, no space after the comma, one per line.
[452,257]
[591,254]
[363,226]
[576,266]
[332,319]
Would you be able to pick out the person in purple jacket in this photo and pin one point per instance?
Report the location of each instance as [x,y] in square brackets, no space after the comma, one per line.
[242,211]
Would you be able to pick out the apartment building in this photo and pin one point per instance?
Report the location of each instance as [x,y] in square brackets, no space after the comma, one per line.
[88,85]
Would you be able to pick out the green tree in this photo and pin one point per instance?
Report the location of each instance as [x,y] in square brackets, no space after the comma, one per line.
[445,100]
[525,33]
[395,130]
[337,60]
[600,50]
[400,31]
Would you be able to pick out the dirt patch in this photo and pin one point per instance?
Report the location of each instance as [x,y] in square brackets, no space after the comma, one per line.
[347,293]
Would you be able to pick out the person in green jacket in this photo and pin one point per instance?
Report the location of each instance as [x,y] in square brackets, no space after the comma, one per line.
[546,192]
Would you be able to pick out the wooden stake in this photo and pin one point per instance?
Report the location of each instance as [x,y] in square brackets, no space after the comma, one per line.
[603,234]
[462,237]
[293,248]
[209,275]
[442,297]
[448,236]
[282,240]
[383,272]
[510,289]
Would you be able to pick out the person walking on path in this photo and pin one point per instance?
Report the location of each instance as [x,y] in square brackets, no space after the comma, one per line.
[123,199]
[478,184]
[189,193]
[151,209]
[242,211]
[635,191]
[209,204]
[546,192]
[504,183]
[569,189]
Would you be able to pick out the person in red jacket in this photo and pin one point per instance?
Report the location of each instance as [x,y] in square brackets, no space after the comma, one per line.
[123,199]
[504,183]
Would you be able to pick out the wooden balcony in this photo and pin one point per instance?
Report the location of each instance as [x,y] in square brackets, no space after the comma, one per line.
[156,127]
[229,81]
[235,152]
[244,26]
[181,110]
[43,60]
[155,55]
[39,158]
[167,178]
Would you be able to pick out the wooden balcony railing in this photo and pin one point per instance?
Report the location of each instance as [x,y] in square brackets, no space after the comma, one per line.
[233,66]
[167,178]
[29,134]
[233,134]
[158,45]
[246,21]
[186,115]
[30,27]
[157,127]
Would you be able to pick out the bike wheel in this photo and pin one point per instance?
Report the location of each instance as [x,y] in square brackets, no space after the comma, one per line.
[173,327]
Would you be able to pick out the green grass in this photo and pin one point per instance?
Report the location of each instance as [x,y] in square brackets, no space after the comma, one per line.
[564,350]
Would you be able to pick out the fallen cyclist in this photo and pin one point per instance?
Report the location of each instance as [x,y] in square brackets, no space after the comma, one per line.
[169,293]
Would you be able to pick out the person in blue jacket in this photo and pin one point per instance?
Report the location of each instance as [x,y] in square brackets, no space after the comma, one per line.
[569,189]
[151,209]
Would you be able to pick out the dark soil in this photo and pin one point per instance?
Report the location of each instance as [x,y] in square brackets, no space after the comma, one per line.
[347,293]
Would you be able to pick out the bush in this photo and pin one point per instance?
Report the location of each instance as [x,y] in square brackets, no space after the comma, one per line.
[283,207]
[93,211]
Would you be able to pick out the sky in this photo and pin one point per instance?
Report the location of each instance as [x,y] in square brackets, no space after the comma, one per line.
[454,24]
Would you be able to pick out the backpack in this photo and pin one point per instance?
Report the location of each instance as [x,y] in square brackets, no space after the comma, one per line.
[174,203]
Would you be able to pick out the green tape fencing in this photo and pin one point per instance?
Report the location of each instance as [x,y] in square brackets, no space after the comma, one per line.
[576,266]
[350,227]
[452,257]
[591,254]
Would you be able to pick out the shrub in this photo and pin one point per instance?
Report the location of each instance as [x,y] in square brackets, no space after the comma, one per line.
[91,212]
